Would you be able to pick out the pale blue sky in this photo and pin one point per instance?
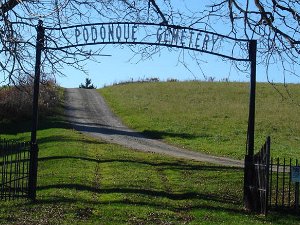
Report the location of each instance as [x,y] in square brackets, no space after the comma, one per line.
[164,66]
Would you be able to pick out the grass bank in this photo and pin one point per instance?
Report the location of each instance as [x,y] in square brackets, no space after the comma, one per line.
[209,117]
[85,181]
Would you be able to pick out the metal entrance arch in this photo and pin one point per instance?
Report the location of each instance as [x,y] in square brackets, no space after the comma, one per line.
[130,33]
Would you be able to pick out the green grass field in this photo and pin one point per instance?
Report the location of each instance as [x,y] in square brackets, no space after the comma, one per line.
[85,181]
[210,117]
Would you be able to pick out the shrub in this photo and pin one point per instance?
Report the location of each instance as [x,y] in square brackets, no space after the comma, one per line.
[88,84]
[16,102]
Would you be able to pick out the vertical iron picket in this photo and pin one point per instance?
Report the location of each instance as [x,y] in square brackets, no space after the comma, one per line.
[277,181]
[14,158]
[267,169]
[15,173]
[10,170]
[283,183]
[297,191]
[23,172]
[271,183]
[290,181]
[284,193]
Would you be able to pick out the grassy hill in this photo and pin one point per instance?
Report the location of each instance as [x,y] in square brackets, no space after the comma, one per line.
[86,181]
[210,117]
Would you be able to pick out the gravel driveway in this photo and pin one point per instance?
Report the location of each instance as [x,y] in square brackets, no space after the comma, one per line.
[89,114]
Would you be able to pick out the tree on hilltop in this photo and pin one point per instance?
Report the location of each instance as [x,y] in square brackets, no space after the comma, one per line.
[88,84]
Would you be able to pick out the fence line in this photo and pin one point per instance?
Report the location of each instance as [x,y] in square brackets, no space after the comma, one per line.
[284,194]
[14,169]
[273,186]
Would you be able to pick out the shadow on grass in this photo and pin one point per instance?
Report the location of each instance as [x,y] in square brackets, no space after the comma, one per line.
[149,192]
[217,203]
[154,134]
[61,139]
[194,201]
[183,201]
[14,128]
[190,199]
[104,129]
[123,131]
[166,165]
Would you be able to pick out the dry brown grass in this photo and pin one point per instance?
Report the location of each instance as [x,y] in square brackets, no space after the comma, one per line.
[16,102]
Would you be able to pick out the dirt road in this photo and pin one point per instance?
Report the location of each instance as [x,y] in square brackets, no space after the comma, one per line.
[89,114]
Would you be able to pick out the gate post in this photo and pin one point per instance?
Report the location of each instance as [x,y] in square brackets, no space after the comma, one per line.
[249,195]
[251,121]
[32,183]
[267,180]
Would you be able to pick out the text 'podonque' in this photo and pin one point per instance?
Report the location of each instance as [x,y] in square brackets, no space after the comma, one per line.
[132,33]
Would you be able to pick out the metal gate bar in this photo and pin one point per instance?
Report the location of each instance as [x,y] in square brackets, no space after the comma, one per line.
[14,166]
[284,194]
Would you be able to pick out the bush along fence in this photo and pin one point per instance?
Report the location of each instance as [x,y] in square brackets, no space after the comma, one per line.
[14,168]
[275,182]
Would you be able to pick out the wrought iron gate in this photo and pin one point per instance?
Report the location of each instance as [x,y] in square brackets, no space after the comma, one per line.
[257,180]
[14,168]
[270,183]
[284,193]
[262,165]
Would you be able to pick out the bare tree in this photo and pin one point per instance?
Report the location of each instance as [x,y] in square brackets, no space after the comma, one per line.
[18,23]
[274,23]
